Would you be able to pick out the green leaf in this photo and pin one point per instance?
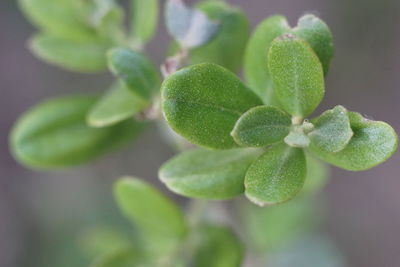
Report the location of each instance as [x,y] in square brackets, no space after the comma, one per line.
[158,220]
[297,75]
[135,70]
[317,175]
[54,134]
[313,30]
[208,174]
[256,57]
[123,257]
[219,247]
[332,130]
[116,105]
[261,126]
[83,56]
[373,142]
[276,176]
[297,137]
[144,19]
[203,102]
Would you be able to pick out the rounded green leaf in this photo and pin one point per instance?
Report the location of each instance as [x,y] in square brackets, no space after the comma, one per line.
[135,70]
[83,55]
[203,102]
[317,34]
[373,142]
[208,174]
[261,126]
[332,130]
[297,75]
[256,57]
[116,105]
[54,134]
[158,220]
[144,19]
[276,176]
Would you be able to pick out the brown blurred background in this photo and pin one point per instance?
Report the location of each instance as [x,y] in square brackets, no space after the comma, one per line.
[41,214]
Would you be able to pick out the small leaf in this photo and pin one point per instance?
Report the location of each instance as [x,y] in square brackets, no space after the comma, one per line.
[203,102]
[122,257]
[208,174]
[332,130]
[190,27]
[276,176]
[135,70]
[297,75]
[144,19]
[83,56]
[54,134]
[313,30]
[256,57]
[261,126]
[373,142]
[219,247]
[116,105]
[297,137]
[158,220]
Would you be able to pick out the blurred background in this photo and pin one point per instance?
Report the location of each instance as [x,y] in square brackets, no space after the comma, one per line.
[42,214]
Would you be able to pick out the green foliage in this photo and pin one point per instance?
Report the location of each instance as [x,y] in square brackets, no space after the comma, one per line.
[203,102]
[208,174]
[123,257]
[54,134]
[144,19]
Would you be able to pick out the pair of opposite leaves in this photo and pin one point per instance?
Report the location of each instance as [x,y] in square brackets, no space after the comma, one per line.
[204,103]
[173,241]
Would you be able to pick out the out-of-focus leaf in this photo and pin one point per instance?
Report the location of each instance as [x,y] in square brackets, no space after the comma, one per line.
[135,70]
[116,105]
[159,221]
[373,142]
[276,176]
[123,257]
[208,174]
[261,126]
[203,102]
[297,75]
[83,55]
[54,134]
[190,27]
[144,19]
[317,175]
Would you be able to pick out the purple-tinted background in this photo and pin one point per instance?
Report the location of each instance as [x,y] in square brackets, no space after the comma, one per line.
[41,213]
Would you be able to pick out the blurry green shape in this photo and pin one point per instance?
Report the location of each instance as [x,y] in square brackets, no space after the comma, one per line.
[122,257]
[54,134]
[144,19]
[87,55]
[116,105]
[159,221]
[317,175]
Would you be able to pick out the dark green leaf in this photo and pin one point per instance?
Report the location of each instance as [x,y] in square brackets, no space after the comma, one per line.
[116,105]
[159,221]
[144,19]
[203,102]
[297,75]
[276,176]
[332,130]
[54,134]
[135,70]
[83,55]
[261,126]
[373,142]
[208,174]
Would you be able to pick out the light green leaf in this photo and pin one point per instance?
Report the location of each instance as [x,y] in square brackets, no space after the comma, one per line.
[83,56]
[203,102]
[158,220]
[373,142]
[317,175]
[332,130]
[208,174]
[144,19]
[123,257]
[116,105]
[276,176]
[313,30]
[261,126]
[297,137]
[256,57]
[297,75]
[135,70]
[54,134]
[219,247]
